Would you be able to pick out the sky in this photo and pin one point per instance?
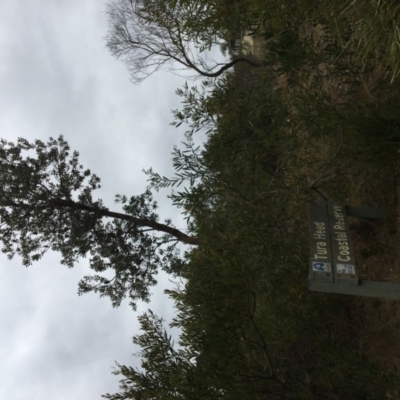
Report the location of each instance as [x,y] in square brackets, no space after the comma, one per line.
[57,78]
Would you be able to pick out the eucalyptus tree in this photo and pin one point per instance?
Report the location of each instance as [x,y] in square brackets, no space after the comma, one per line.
[150,35]
[167,371]
[46,203]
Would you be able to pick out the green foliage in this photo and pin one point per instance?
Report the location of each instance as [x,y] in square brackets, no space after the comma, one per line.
[321,112]
[244,309]
[48,176]
[376,33]
[46,204]
[166,372]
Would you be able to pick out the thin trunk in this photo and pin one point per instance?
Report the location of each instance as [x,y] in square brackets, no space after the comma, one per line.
[182,237]
[189,64]
[230,65]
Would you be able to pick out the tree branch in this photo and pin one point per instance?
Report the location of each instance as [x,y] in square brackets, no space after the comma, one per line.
[104,212]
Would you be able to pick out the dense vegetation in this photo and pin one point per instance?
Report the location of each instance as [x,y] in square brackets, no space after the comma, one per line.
[317,119]
[308,111]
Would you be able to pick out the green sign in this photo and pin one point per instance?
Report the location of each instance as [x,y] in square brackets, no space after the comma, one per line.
[320,244]
[342,249]
[332,262]
[331,251]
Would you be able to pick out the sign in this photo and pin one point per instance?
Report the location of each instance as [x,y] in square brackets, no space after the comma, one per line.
[342,248]
[320,246]
[345,269]
[331,251]
[321,266]
[332,263]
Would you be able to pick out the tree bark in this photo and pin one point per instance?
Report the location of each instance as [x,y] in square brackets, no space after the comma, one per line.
[230,64]
[182,237]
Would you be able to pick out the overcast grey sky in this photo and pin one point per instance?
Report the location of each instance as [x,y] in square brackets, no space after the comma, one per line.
[56,77]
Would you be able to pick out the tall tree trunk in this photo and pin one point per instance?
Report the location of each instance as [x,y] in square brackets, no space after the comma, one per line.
[182,237]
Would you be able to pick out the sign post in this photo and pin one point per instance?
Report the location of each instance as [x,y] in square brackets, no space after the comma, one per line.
[332,261]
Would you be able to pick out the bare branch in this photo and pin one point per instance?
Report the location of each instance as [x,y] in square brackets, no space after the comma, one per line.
[152,35]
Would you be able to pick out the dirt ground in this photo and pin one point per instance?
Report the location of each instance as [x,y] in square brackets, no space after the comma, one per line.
[377,251]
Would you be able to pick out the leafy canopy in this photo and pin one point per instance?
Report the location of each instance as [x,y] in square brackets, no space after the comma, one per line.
[46,204]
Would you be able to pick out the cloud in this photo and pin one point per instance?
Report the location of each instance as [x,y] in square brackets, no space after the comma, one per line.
[56,77]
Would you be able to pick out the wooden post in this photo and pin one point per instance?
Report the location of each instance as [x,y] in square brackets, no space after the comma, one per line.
[383,290]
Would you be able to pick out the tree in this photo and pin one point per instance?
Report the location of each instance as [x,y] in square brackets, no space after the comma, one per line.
[167,372]
[149,35]
[46,204]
